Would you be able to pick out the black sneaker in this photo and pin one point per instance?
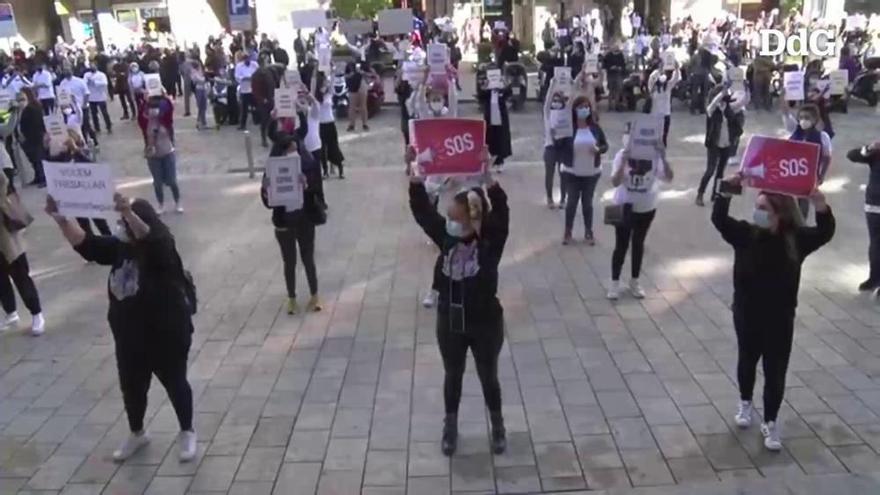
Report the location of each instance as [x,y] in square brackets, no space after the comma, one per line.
[869,285]
[499,437]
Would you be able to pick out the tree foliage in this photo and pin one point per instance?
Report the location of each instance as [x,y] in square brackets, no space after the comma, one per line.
[355,9]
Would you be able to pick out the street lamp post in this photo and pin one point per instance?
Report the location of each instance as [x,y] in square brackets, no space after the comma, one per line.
[96,27]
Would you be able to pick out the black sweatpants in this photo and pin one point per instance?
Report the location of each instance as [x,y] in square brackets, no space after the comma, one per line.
[716,161]
[667,120]
[19,272]
[34,154]
[136,369]
[635,228]
[873,220]
[100,224]
[485,343]
[766,336]
[128,107]
[302,233]
[87,129]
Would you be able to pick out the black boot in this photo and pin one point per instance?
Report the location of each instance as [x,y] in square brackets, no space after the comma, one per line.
[450,434]
[499,439]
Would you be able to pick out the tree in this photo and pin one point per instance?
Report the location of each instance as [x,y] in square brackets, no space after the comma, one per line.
[353,9]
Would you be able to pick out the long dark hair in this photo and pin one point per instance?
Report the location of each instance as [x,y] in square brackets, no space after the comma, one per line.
[790,220]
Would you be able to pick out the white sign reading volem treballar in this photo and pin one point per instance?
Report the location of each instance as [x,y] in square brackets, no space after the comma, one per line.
[285,189]
[154,84]
[794,86]
[285,102]
[82,190]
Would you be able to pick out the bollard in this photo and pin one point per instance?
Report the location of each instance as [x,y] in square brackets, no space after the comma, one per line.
[249,151]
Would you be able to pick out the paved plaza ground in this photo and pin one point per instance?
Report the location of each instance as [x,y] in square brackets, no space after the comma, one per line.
[636,395]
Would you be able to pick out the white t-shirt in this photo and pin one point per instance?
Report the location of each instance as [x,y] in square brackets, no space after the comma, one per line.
[136,82]
[639,189]
[584,160]
[327,109]
[77,89]
[44,78]
[243,74]
[313,136]
[97,83]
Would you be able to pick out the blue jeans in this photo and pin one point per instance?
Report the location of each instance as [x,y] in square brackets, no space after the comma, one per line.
[164,171]
[202,106]
[580,189]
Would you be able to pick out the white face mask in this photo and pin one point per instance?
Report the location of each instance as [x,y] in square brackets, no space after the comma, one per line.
[761,218]
[454,229]
[625,140]
[67,111]
[663,79]
[805,124]
[121,233]
[436,106]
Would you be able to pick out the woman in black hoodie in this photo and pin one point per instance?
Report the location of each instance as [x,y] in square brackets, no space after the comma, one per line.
[768,255]
[152,301]
[297,227]
[471,240]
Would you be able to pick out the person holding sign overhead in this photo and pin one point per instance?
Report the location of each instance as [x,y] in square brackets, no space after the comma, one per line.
[806,127]
[870,156]
[14,265]
[296,227]
[660,84]
[493,100]
[768,255]
[471,239]
[558,127]
[725,120]
[331,155]
[582,166]
[152,300]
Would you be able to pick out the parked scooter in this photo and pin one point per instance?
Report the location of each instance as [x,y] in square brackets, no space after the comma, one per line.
[375,95]
[866,85]
[340,94]
[517,80]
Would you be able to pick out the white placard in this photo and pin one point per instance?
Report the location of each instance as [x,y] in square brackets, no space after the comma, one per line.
[500,25]
[839,81]
[438,58]
[285,102]
[647,132]
[8,28]
[324,56]
[64,99]
[292,78]
[591,63]
[668,60]
[562,79]
[794,86]
[153,84]
[57,130]
[5,99]
[285,189]
[561,33]
[309,19]
[493,79]
[81,190]
[737,78]
[561,123]
[395,21]
[356,27]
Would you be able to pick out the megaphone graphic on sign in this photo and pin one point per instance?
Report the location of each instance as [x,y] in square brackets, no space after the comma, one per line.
[755,171]
[425,156]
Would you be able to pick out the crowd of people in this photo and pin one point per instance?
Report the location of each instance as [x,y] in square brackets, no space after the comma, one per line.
[152,297]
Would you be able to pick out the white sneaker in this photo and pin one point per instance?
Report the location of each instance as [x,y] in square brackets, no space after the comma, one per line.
[614,290]
[770,430]
[430,299]
[130,445]
[744,414]
[178,209]
[38,326]
[188,446]
[636,289]
[12,319]
[160,210]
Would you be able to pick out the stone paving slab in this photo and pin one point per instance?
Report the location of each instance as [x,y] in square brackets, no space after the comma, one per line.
[626,398]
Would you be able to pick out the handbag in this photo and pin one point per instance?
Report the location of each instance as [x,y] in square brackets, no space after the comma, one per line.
[316,211]
[617,215]
[16,217]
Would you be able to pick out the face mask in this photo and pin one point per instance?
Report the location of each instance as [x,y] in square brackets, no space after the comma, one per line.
[435,105]
[154,112]
[121,233]
[135,70]
[454,229]
[806,124]
[663,79]
[761,218]
[67,111]
[583,113]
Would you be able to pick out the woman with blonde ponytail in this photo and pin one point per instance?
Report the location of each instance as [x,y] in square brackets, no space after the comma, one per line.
[469,315]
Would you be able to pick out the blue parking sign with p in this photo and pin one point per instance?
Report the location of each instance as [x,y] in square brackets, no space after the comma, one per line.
[238,7]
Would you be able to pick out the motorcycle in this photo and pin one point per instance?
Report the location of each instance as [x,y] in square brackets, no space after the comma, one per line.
[340,95]
[866,85]
[219,97]
[517,80]
[375,96]
[633,90]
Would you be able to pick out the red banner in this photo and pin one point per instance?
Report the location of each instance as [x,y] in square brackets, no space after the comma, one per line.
[448,146]
[781,166]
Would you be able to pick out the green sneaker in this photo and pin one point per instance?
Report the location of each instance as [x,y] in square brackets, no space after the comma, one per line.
[292,306]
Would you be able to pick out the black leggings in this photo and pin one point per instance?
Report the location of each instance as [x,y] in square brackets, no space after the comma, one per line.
[485,344]
[636,227]
[666,121]
[19,272]
[766,336]
[100,224]
[136,369]
[302,233]
[873,220]
[34,155]
[716,161]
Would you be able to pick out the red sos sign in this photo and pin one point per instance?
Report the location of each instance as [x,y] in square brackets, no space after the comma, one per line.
[448,146]
[781,165]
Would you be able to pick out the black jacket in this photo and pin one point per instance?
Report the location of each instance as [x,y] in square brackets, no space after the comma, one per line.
[872,159]
[565,146]
[478,289]
[766,277]
[31,126]
[714,123]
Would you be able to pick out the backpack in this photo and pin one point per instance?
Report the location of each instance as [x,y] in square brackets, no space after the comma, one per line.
[189,288]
